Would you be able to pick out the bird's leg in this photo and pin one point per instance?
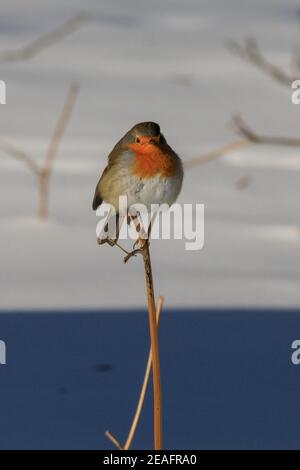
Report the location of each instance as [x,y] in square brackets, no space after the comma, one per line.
[141,239]
[111,241]
[143,242]
[151,225]
[136,219]
[144,236]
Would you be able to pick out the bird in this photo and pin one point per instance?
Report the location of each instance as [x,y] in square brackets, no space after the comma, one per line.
[142,167]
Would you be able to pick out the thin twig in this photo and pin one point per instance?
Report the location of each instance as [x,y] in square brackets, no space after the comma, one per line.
[55,140]
[141,400]
[252,54]
[243,129]
[249,137]
[114,440]
[216,153]
[45,41]
[61,126]
[18,154]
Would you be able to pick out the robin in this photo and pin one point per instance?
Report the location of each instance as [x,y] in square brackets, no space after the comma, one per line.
[142,167]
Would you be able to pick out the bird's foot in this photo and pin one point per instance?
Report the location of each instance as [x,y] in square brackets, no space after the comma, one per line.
[132,253]
[141,243]
[111,242]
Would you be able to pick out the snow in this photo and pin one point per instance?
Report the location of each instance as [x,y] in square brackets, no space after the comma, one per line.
[163,61]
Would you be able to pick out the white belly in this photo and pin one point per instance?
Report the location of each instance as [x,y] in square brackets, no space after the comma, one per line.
[157,190]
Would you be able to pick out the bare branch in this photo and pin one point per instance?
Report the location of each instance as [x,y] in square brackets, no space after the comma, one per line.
[55,140]
[60,127]
[252,54]
[244,130]
[47,40]
[44,172]
[249,137]
[18,154]
[216,153]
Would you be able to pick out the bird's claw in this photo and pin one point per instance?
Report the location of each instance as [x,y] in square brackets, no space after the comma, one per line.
[110,241]
[133,253]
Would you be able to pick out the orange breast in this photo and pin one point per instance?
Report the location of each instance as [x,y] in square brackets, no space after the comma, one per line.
[150,160]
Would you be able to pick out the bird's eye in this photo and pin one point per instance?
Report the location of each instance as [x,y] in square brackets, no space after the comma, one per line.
[137,140]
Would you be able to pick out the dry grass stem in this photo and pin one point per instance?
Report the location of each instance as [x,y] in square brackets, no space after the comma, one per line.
[153,328]
[141,400]
[114,440]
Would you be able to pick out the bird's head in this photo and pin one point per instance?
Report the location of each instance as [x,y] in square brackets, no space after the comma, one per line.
[142,136]
[145,133]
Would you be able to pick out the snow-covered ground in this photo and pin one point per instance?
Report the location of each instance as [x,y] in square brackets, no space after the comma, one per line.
[163,61]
